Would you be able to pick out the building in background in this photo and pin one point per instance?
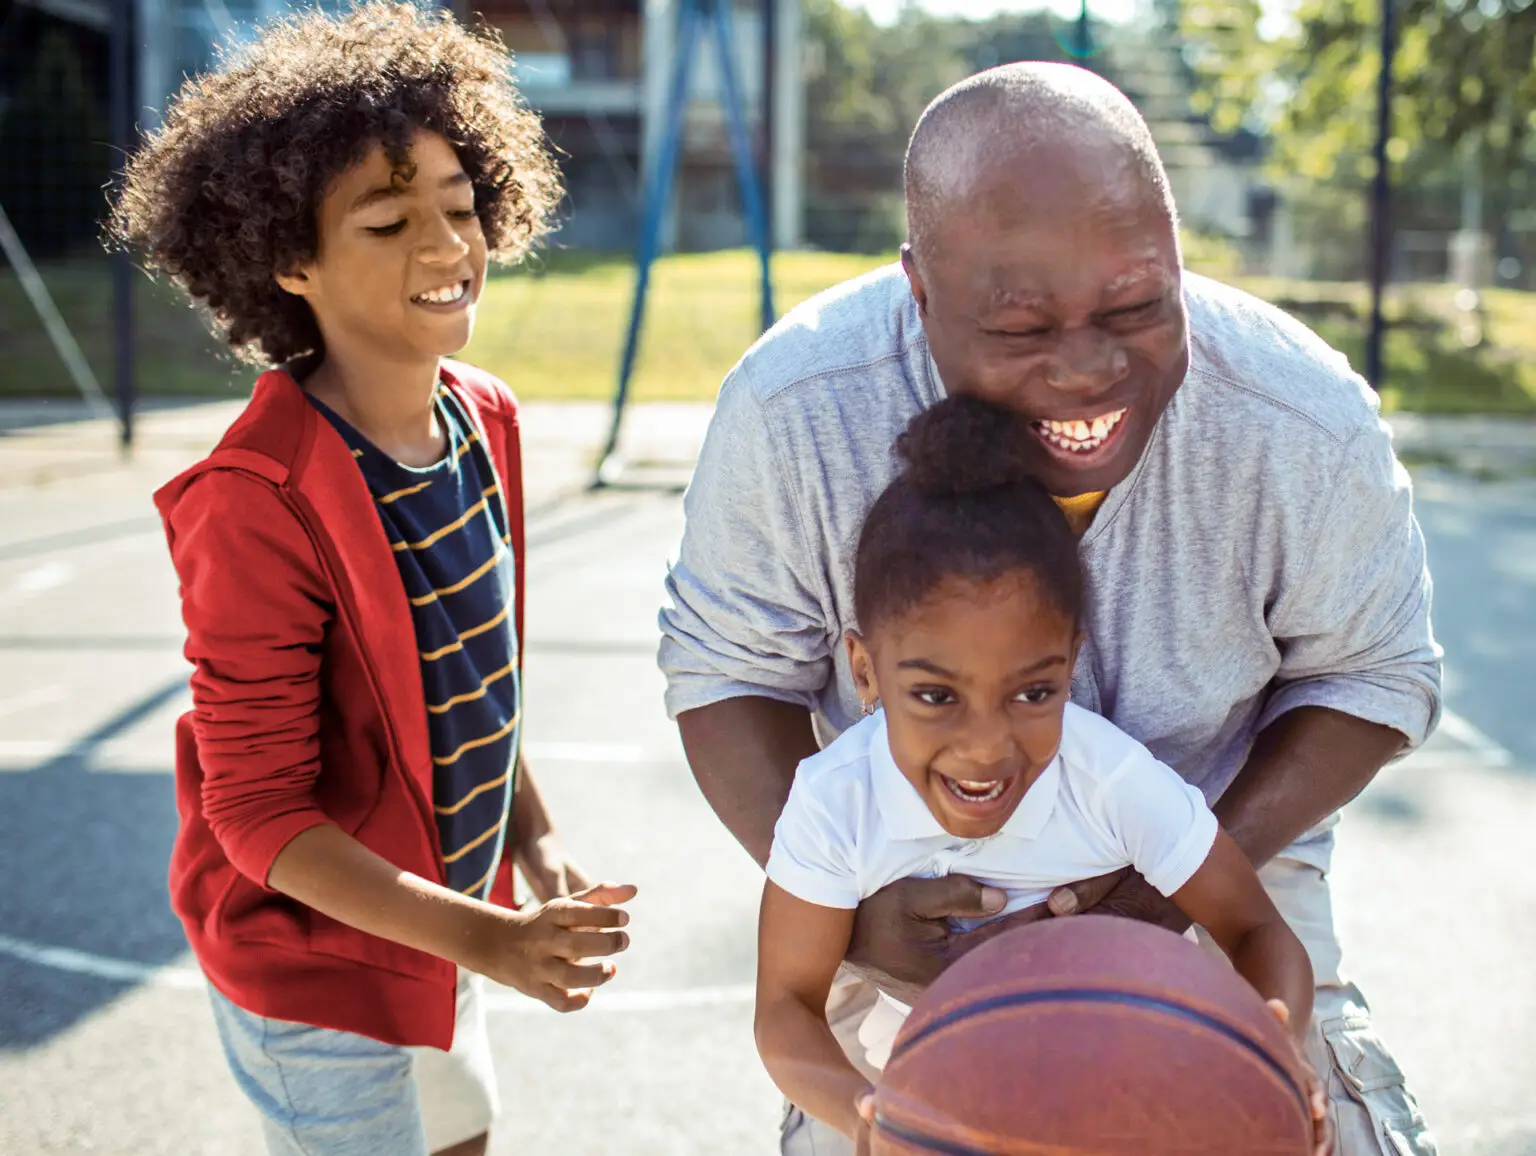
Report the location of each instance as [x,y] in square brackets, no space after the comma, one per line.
[598,72]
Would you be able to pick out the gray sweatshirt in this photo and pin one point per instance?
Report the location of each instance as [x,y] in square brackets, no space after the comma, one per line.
[1263,555]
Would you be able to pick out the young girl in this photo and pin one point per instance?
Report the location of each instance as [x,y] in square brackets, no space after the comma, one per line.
[351,559]
[971,760]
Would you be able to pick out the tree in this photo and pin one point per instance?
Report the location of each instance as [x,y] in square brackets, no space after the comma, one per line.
[1465,85]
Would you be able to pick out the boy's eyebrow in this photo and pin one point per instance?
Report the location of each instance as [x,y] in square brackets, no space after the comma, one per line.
[402,188]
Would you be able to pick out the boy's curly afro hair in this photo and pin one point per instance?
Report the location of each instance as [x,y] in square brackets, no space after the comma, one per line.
[227,193]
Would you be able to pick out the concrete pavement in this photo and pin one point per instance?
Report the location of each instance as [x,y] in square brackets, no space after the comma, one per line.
[105,1041]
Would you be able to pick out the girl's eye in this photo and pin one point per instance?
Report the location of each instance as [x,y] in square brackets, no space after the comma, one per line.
[386,230]
[1035,695]
[934,696]
[462,214]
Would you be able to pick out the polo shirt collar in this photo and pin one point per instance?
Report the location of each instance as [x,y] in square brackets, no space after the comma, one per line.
[907,816]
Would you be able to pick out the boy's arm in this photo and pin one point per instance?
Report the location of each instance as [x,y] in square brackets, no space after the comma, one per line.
[800,947]
[535,845]
[546,953]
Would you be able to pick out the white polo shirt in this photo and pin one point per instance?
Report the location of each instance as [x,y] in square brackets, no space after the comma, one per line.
[854,823]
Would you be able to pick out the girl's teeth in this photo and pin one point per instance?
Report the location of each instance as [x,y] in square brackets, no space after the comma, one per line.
[976,792]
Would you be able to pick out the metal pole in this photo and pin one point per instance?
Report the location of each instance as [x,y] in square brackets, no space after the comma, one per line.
[121,83]
[1381,206]
[1084,33]
[657,197]
[770,97]
[758,226]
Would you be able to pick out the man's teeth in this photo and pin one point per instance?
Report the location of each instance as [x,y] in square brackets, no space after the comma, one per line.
[975,792]
[1079,436]
[444,296]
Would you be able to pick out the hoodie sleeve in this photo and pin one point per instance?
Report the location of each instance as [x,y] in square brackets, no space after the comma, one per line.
[256,607]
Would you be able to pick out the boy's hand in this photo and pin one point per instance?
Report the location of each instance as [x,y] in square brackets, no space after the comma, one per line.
[547,953]
[1317,1102]
[550,871]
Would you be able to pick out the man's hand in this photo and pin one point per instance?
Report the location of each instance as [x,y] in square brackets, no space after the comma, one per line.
[901,935]
[1124,893]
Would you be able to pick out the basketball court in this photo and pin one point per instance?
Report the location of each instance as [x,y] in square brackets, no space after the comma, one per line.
[106,1044]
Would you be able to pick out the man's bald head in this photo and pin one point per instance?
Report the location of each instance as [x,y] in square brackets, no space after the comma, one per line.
[1041,130]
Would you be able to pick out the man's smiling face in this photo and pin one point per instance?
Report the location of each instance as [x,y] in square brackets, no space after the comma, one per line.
[1055,290]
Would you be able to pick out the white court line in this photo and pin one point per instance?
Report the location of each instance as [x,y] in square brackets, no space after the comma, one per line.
[44,750]
[42,696]
[40,579]
[76,962]
[602,752]
[1453,726]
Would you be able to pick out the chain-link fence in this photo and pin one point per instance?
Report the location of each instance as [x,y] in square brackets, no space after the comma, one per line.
[1275,196]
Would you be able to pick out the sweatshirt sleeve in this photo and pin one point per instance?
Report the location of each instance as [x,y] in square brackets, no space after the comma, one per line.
[256,607]
[746,610]
[1354,629]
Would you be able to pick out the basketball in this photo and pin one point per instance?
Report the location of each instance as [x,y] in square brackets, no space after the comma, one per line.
[1091,1035]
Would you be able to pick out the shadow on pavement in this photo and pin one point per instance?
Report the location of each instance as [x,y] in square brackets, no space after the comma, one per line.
[84,856]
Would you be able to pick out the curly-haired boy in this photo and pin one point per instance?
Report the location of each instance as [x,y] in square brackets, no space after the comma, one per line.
[351,559]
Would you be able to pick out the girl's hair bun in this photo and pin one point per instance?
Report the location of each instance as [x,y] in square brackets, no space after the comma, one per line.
[964,445]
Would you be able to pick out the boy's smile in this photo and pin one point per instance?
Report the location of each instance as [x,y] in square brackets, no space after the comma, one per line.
[974,680]
[402,256]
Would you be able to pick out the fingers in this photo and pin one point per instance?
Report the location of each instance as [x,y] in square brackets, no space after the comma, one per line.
[1077,897]
[573,913]
[961,942]
[562,1000]
[951,896]
[607,894]
[574,976]
[577,945]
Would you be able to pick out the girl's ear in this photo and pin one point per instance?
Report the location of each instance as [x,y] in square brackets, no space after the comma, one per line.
[1077,645]
[863,667]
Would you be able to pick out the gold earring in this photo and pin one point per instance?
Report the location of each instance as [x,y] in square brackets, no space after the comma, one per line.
[868,708]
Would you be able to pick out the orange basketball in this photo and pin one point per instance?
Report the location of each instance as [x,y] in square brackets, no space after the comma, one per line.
[1091,1035]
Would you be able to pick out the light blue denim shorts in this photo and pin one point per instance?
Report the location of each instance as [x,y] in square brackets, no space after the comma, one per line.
[327,1093]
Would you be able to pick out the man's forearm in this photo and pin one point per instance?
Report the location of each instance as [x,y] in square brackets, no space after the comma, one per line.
[1304,766]
[744,752]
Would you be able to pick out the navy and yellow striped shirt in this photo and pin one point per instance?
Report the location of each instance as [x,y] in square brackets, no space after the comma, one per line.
[447,526]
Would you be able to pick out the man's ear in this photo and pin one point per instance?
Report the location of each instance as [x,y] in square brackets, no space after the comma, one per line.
[863,668]
[914,278]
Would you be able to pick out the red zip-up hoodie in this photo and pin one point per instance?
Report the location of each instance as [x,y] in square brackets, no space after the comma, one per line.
[308,709]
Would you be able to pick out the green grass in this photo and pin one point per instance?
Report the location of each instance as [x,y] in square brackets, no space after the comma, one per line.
[557,330]
[554,329]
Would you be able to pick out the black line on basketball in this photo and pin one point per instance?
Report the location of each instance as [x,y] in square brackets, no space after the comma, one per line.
[924,1141]
[1084,995]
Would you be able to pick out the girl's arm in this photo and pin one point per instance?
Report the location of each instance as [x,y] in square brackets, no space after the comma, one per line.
[1226,898]
[800,947]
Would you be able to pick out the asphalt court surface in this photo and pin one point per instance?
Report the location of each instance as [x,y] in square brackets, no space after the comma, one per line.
[106,1044]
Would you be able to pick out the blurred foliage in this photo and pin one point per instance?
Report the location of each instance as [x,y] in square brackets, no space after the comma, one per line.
[1464,84]
[866,86]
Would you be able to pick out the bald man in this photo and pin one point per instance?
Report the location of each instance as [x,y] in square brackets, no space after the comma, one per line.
[1257,599]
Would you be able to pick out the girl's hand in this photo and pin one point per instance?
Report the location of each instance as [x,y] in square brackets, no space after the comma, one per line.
[866,1109]
[1317,1102]
[550,871]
